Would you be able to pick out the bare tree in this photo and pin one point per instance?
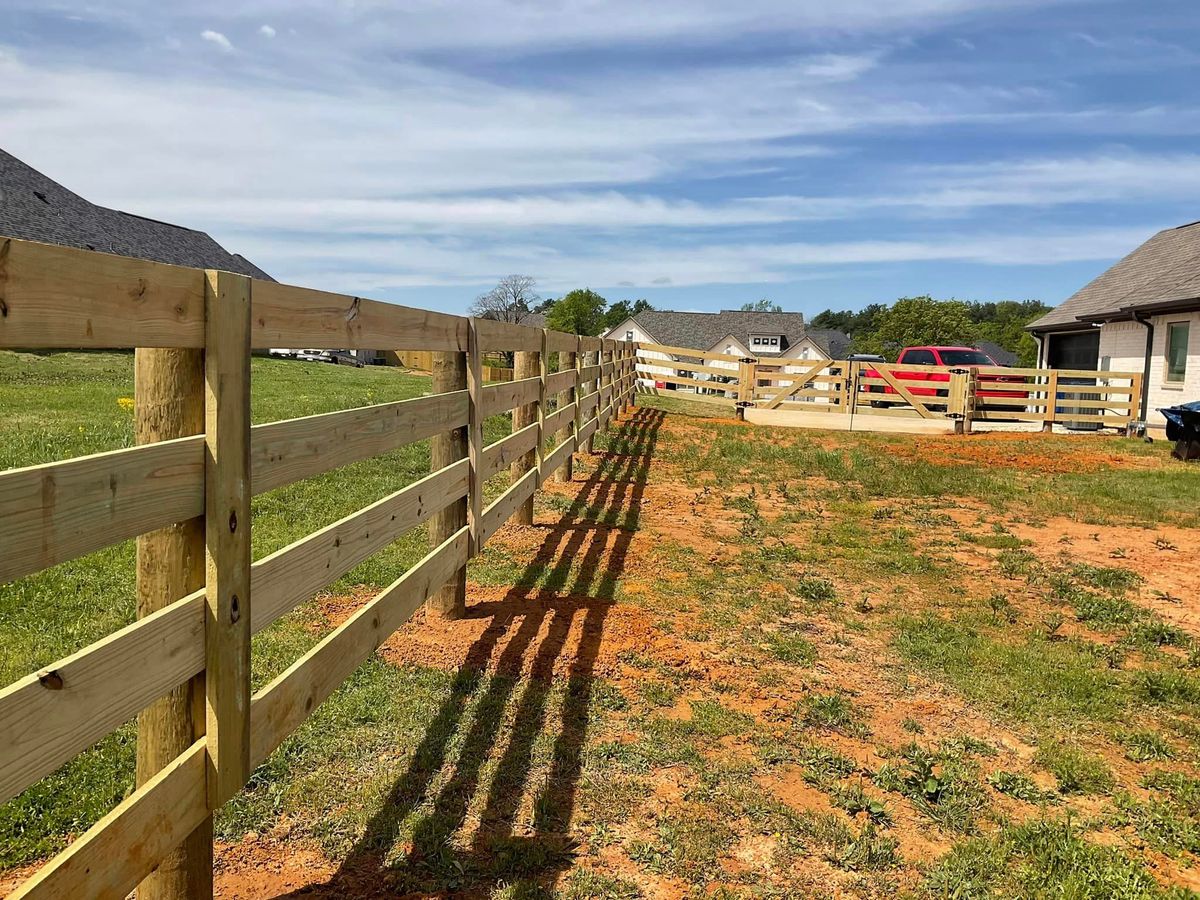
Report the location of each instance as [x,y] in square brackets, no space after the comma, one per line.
[512,300]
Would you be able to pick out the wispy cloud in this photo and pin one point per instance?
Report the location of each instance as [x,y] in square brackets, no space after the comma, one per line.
[215,37]
[676,144]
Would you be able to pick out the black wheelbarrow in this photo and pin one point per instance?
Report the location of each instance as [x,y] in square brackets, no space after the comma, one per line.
[1183,427]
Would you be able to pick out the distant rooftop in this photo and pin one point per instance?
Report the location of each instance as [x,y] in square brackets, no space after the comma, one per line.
[702,330]
[34,207]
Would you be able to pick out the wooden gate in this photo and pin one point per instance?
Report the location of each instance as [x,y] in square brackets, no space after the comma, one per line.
[816,385]
[927,392]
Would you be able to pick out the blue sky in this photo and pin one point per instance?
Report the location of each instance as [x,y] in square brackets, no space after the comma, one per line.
[699,154]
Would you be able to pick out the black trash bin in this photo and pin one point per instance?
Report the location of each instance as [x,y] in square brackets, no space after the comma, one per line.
[1183,427]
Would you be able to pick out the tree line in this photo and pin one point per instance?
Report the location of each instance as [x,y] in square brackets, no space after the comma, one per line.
[581,311]
[916,321]
[878,328]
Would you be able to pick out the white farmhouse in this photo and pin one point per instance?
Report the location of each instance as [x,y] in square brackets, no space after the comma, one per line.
[1142,315]
[739,333]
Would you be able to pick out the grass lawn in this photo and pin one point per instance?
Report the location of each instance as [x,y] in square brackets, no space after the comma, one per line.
[726,661]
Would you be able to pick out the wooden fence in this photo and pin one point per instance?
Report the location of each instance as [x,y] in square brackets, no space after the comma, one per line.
[53,297]
[965,395]
[422,361]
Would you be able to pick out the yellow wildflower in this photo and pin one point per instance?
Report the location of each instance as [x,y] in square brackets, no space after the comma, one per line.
[126,403]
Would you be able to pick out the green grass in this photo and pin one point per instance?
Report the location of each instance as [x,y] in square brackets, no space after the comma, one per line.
[1027,678]
[834,712]
[1038,859]
[67,404]
[1077,771]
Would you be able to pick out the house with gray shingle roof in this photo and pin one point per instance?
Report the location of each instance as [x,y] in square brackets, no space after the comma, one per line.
[1143,315]
[782,335]
[34,207]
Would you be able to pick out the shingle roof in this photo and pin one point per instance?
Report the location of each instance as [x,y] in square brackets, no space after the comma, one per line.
[36,208]
[1165,268]
[834,344]
[1002,356]
[702,330]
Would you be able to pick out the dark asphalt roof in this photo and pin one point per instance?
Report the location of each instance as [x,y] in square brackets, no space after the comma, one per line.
[33,207]
[1165,269]
[999,354]
[835,344]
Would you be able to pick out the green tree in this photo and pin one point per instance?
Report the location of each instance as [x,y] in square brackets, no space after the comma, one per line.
[621,310]
[1004,322]
[915,321]
[848,321]
[580,311]
[763,305]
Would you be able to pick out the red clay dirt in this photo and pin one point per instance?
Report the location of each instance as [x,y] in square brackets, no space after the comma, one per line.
[569,633]
[1040,453]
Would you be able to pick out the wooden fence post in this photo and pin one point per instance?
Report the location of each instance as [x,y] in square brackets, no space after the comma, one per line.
[972,397]
[630,375]
[449,374]
[630,372]
[1051,401]
[543,407]
[593,358]
[169,403]
[227,532]
[565,398]
[526,364]
[633,375]
[958,398]
[474,436]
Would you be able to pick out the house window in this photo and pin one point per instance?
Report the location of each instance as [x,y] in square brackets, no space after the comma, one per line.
[629,335]
[774,342]
[1177,347]
[757,342]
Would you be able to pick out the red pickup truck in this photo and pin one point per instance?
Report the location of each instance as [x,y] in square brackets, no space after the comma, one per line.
[947,357]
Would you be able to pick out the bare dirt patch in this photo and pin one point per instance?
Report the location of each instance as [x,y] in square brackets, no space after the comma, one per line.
[1166,558]
[1009,450]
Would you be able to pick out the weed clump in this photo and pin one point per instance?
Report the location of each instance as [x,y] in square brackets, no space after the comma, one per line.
[1077,772]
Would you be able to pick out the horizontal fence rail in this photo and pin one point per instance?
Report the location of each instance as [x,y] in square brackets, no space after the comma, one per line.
[58,297]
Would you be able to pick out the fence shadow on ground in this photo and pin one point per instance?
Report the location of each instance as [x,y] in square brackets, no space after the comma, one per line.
[580,560]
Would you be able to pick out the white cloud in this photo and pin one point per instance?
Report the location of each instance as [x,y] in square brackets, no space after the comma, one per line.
[1118,175]
[215,37]
[518,24]
[411,172]
[374,266]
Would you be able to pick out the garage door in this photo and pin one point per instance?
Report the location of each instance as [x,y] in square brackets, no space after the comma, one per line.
[1075,351]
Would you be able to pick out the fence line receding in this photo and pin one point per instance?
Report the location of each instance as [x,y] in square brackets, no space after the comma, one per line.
[61,298]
